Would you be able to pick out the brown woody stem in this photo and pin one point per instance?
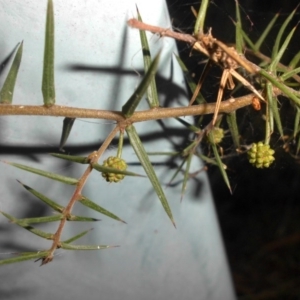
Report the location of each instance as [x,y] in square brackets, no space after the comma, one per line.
[139,116]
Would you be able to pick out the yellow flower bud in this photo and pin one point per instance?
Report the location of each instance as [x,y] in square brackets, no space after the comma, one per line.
[117,163]
[261,155]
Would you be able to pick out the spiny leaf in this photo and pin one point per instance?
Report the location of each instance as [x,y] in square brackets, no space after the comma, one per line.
[219,163]
[57,177]
[207,159]
[87,202]
[152,90]
[67,127]
[103,169]
[53,218]
[177,171]
[76,237]
[120,144]
[272,100]
[262,37]
[77,159]
[295,61]
[280,33]
[48,85]
[57,218]
[42,197]
[48,236]
[289,74]
[68,246]
[298,145]
[269,123]
[171,153]
[144,160]
[82,219]
[286,90]
[21,257]
[234,130]
[7,91]
[297,122]
[130,106]
[198,29]
[188,125]
[276,58]
[189,148]
[190,81]
[239,41]
[186,174]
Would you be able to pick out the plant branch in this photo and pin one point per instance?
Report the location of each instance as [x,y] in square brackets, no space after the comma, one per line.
[139,116]
[226,106]
[203,43]
[77,195]
[218,52]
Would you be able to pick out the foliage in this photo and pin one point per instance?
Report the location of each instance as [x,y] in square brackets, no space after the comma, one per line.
[272,80]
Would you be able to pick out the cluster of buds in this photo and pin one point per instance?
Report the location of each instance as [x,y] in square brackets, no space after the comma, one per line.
[116,163]
[261,155]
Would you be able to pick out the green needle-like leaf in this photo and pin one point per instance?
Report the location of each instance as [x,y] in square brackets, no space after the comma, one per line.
[298,145]
[42,197]
[144,160]
[171,153]
[57,177]
[82,219]
[76,237]
[190,81]
[190,148]
[198,29]
[239,41]
[48,85]
[21,257]
[68,246]
[234,130]
[282,50]
[103,169]
[207,159]
[152,90]
[295,61]
[177,171]
[297,122]
[219,163]
[269,123]
[280,33]
[67,127]
[186,174]
[77,159]
[247,40]
[263,36]
[7,91]
[130,106]
[45,235]
[289,74]
[286,90]
[188,125]
[87,202]
[272,100]
[53,218]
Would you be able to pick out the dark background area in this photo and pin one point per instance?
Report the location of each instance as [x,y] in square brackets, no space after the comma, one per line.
[260,221]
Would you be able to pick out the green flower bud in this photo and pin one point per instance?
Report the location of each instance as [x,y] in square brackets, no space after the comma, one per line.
[216,135]
[117,163]
[261,155]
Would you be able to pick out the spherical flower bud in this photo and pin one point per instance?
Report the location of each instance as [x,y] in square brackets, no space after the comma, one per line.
[116,163]
[261,155]
[216,135]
